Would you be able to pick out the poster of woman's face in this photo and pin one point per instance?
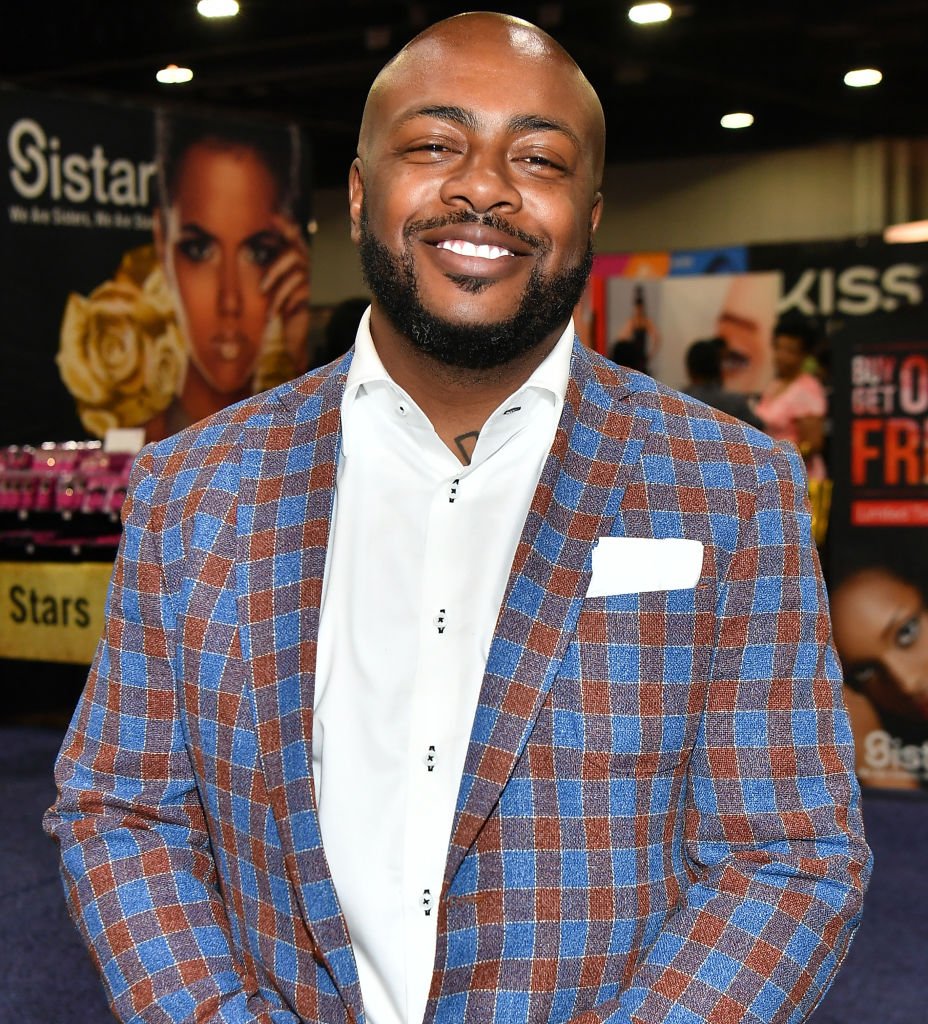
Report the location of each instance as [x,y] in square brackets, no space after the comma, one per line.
[217,307]
[880,621]
[215,240]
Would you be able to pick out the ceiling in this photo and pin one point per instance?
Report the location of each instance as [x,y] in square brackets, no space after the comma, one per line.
[664,87]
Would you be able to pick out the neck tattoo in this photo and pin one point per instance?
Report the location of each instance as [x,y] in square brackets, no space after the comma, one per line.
[465,444]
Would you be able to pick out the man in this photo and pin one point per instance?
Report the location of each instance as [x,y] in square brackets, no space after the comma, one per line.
[704,369]
[472,678]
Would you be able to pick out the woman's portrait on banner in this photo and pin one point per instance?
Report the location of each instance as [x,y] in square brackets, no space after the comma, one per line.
[880,620]
[217,307]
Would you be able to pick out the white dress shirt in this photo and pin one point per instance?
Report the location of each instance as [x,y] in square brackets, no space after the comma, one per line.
[420,552]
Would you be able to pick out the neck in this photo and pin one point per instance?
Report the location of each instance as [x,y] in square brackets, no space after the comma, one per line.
[457,400]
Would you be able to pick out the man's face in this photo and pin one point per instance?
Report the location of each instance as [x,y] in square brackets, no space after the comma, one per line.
[475,196]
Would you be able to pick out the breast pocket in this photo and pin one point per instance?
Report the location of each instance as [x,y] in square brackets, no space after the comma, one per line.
[633,682]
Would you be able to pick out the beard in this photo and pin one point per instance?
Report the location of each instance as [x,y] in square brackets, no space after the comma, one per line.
[546,304]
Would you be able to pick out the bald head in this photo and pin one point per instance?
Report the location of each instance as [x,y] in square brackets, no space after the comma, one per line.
[458,40]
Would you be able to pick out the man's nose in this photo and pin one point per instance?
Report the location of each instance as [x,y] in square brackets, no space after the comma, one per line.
[482,180]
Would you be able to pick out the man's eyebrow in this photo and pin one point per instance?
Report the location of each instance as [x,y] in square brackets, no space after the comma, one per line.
[468,119]
[465,118]
[539,123]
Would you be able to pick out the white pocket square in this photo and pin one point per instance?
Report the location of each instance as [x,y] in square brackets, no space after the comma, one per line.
[632,565]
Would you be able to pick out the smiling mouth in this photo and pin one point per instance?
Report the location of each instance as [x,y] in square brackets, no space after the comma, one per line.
[464,248]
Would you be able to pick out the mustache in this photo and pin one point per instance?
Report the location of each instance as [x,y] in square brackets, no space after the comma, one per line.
[488,220]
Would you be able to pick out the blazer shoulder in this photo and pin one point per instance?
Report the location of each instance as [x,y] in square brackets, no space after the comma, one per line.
[210,453]
[683,442]
[675,415]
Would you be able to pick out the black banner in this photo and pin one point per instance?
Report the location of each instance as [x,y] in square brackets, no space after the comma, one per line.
[154,265]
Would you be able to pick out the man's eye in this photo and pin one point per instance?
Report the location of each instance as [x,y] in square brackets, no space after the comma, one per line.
[430,147]
[543,163]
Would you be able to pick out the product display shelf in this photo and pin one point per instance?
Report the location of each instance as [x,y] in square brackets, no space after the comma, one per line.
[61,502]
[59,529]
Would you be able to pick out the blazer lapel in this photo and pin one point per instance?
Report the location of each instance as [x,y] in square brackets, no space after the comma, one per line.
[285,506]
[596,449]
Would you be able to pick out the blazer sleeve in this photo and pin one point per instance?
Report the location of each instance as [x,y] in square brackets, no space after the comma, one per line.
[773,831]
[135,854]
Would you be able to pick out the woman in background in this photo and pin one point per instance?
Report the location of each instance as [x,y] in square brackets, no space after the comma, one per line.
[227,233]
[880,623]
[793,406]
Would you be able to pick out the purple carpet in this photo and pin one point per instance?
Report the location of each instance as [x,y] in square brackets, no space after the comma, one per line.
[48,978]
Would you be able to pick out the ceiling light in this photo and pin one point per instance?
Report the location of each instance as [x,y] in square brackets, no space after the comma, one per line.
[649,14]
[859,78]
[739,119]
[173,75]
[218,8]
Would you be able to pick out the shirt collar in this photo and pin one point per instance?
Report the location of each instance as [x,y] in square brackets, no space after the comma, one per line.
[551,375]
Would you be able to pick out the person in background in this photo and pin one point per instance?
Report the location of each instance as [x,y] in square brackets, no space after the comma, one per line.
[793,406]
[471,678]
[341,329]
[638,340]
[628,353]
[704,369]
[881,633]
[228,234]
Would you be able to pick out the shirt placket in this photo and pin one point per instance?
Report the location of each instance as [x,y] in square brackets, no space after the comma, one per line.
[428,780]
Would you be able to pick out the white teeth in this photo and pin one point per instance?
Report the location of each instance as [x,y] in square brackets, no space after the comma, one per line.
[484,252]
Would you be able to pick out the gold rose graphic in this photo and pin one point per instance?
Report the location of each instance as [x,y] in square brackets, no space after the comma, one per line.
[121,354]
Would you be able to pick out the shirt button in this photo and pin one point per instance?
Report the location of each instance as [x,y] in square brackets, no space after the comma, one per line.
[439,621]
[402,408]
[430,759]
[426,901]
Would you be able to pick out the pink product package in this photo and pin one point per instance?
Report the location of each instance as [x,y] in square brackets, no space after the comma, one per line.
[18,490]
[105,492]
[67,478]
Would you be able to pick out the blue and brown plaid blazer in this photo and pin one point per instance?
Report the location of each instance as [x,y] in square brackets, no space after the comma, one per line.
[657,819]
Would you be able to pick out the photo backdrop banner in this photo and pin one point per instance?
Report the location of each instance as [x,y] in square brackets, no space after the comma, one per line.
[154,265]
[868,301]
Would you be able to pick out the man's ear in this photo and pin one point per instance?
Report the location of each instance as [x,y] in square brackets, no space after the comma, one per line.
[355,197]
[596,212]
